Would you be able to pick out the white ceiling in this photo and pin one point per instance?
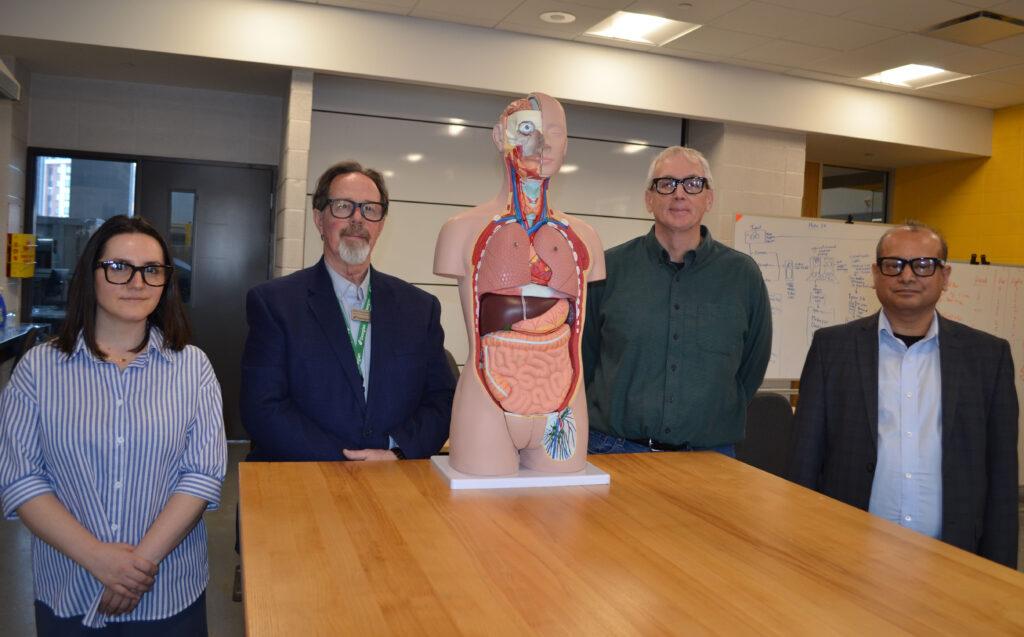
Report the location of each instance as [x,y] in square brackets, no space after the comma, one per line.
[831,40]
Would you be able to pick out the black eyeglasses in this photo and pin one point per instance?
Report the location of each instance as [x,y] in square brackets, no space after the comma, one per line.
[921,266]
[667,185]
[345,208]
[121,273]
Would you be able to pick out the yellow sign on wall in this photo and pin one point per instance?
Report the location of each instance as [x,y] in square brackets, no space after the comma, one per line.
[21,255]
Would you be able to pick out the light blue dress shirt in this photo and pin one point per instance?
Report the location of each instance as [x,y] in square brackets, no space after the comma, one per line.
[113,446]
[907,487]
[351,296]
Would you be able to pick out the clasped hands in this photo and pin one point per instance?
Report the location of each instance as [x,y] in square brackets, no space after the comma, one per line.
[369,454]
[125,575]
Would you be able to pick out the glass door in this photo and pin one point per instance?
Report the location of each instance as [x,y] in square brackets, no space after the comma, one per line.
[72,197]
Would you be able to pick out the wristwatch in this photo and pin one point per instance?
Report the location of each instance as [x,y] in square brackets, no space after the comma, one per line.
[398,453]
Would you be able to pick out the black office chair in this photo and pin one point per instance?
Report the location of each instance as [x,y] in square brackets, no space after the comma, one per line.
[769,432]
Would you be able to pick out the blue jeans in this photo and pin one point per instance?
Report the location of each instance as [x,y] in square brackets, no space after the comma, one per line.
[603,443]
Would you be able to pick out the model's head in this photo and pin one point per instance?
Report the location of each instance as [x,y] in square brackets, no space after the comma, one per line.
[531,133]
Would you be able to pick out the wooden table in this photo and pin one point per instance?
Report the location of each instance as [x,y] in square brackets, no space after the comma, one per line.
[691,543]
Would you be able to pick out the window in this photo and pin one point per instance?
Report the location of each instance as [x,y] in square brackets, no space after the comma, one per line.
[853,194]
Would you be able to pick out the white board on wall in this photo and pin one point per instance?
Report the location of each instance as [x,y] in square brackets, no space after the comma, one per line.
[818,273]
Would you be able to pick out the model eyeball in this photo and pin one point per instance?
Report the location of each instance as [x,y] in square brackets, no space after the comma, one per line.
[525,128]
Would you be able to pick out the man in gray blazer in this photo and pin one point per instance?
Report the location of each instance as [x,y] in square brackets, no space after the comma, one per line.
[912,416]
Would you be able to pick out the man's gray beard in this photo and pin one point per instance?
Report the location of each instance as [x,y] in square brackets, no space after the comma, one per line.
[353,253]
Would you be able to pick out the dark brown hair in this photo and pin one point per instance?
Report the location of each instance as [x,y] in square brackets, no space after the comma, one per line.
[169,314]
[323,185]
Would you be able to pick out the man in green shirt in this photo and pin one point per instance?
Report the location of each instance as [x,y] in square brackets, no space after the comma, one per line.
[678,336]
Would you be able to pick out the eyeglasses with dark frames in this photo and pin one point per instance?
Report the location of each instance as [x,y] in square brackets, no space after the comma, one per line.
[693,184]
[345,208]
[921,266]
[120,273]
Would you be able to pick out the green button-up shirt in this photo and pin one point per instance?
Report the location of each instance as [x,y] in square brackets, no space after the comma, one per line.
[672,352]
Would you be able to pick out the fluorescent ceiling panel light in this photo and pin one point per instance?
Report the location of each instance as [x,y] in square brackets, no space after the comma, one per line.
[915,76]
[642,28]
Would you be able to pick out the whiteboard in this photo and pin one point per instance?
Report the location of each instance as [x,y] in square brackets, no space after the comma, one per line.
[818,273]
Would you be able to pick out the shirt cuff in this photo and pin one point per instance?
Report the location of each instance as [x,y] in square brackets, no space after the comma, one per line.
[201,486]
[20,492]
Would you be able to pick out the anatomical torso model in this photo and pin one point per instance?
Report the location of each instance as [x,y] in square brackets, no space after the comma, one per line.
[522,268]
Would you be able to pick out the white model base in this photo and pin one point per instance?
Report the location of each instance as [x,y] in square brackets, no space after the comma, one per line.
[524,478]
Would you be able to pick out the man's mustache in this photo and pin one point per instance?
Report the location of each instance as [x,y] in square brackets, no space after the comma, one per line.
[356,231]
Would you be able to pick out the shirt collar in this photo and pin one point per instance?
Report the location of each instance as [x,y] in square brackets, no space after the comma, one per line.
[347,290]
[660,255]
[885,328]
[155,344]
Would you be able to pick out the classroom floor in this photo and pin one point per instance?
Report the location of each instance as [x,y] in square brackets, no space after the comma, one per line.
[225,616]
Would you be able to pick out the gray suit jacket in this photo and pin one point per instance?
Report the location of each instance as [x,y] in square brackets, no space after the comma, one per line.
[835,432]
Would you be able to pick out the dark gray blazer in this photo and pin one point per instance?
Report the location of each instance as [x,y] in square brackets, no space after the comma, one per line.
[835,432]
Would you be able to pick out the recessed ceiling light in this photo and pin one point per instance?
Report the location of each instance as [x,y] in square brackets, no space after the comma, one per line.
[414,157]
[632,148]
[641,28]
[915,76]
[557,17]
[568,168]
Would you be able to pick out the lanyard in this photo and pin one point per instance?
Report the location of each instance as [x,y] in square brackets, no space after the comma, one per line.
[359,339]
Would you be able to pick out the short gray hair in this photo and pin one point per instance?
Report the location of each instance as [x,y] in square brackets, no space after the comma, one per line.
[913,226]
[692,154]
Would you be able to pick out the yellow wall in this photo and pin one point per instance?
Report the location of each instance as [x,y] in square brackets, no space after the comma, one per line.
[978,204]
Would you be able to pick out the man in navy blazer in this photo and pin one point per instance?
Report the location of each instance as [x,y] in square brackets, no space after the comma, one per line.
[912,416]
[315,335]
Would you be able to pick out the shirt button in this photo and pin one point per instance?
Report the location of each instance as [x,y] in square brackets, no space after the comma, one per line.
[676,306]
[120,402]
[909,394]
[906,475]
[675,337]
[909,434]
[673,368]
[114,527]
[669,399]
[907,518]
[117,485]
[120,440]
[668,430]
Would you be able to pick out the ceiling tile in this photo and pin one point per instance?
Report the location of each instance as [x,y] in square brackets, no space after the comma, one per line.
[401,7]
[464,11]
[716,41]
[805,27]
[910,15]
[978,88]
[787,54]
[824,7]
[699,11]
[1012,8]
[975,60]
[1008,76]
[1013,46]
[528,13]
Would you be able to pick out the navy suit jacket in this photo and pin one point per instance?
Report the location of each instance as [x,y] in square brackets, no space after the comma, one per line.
[301,391]
[835,430]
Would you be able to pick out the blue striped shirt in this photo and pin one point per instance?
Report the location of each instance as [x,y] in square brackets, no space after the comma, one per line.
[113,446]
